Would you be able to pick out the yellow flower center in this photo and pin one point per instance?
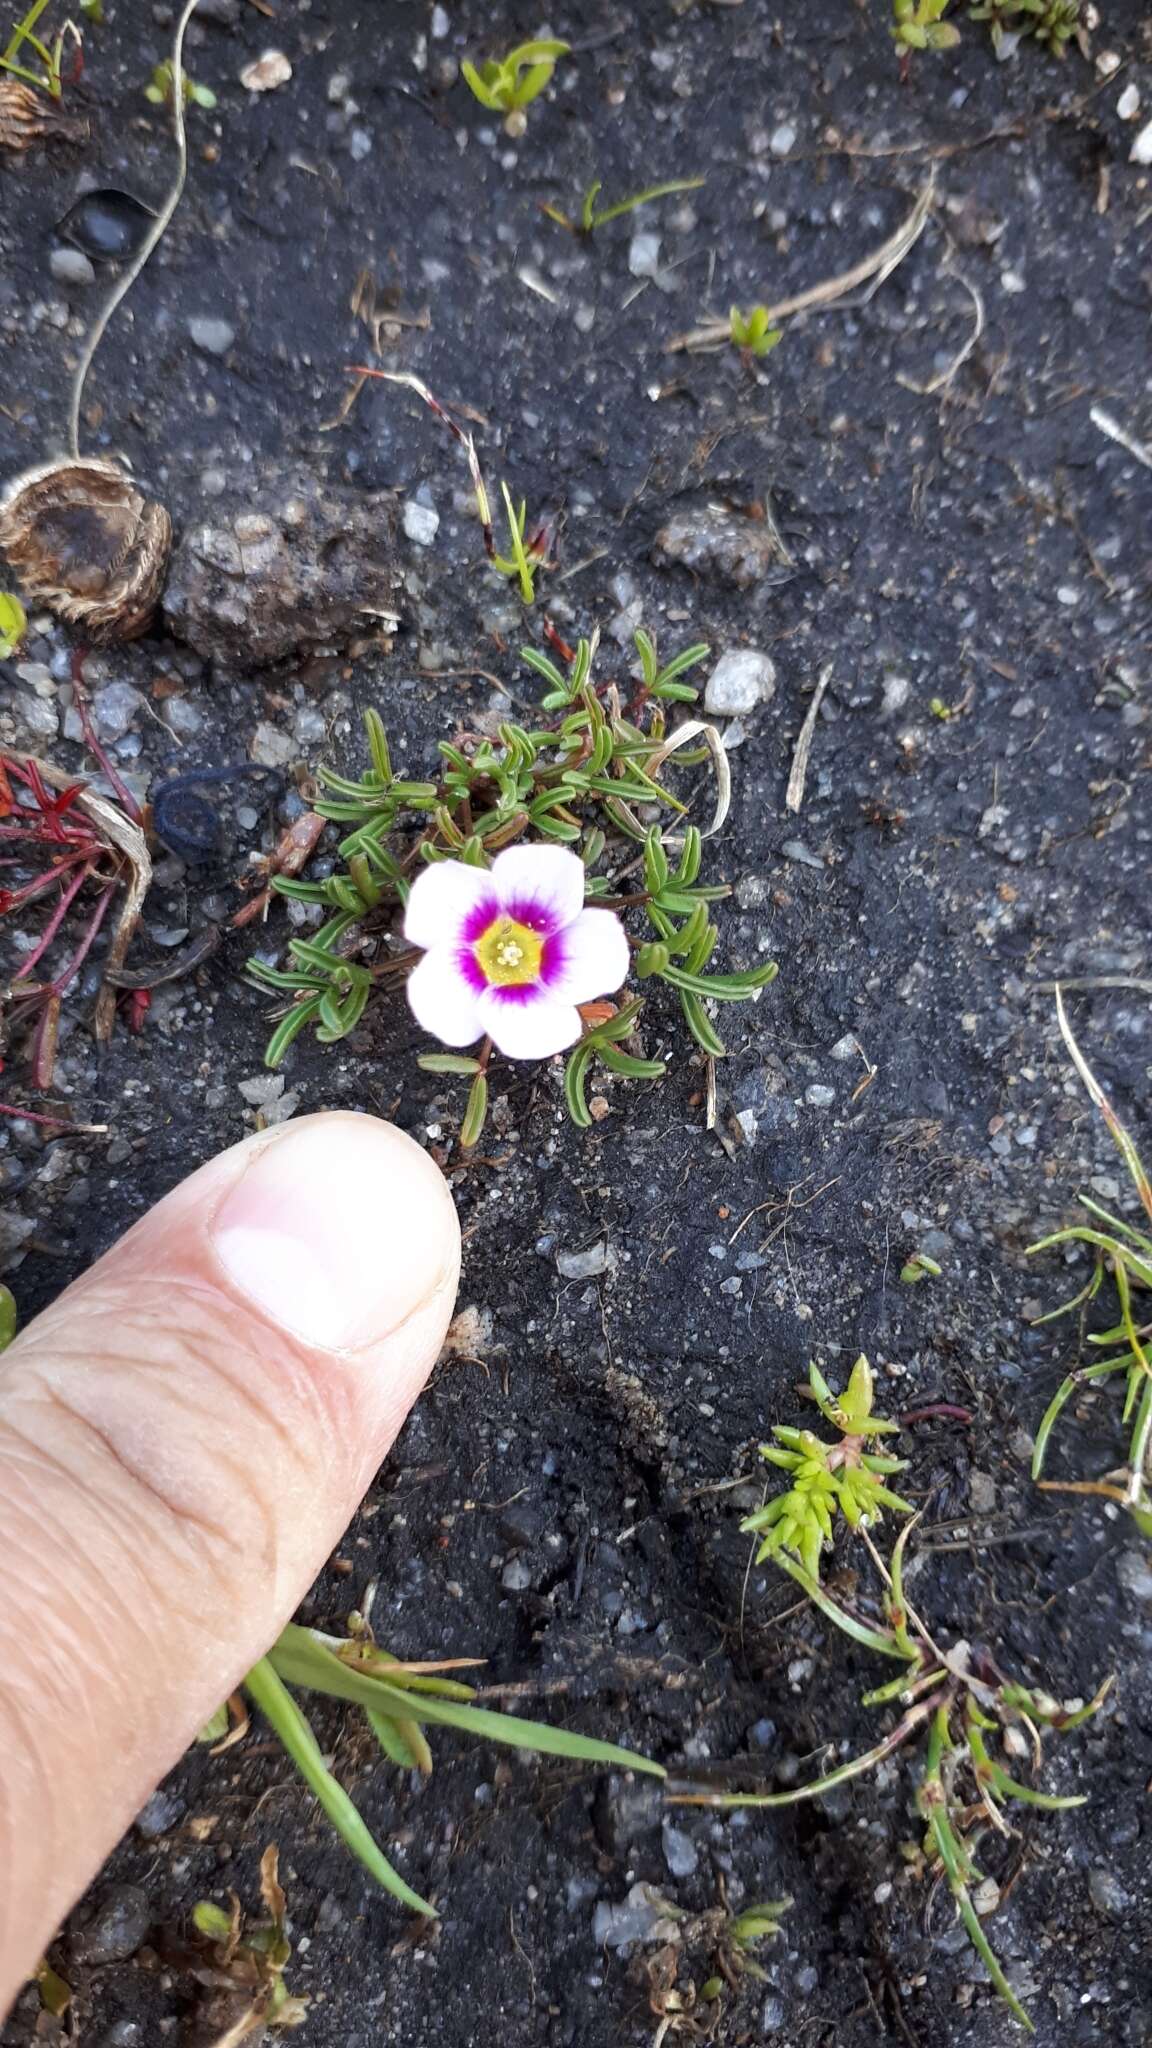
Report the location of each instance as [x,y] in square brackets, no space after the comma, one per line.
[509,954]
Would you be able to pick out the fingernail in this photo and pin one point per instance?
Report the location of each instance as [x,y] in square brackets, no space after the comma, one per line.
[338,1230]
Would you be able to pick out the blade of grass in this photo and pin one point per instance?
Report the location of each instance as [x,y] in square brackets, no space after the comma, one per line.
[284,1716]
[300,1662]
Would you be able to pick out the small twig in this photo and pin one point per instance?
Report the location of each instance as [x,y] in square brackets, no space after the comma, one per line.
[1116,432]
[799,775]
[871,269]
[943,378]
[155,234]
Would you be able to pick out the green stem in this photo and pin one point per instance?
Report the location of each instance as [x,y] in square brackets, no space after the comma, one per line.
[283,1715]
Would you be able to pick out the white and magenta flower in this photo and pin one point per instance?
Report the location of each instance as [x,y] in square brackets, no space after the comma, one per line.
[509,951]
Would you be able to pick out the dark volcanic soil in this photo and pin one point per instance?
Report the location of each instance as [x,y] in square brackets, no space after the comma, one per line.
[981,543]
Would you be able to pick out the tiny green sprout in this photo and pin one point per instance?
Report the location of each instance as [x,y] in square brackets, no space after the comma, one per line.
[753,331]
[51,55]
[917,26]
[507,85]
[13,624]
[827,1477]
[1124,1254]
[93,10]
[1054,22]
[759,1923]
[527,556]
[919,1267]
[941,710]
[250,1957]
[593,216]
[159,90]
[7,1317]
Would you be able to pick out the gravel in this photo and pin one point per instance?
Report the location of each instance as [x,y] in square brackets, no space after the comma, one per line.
[213,335]
[741,680]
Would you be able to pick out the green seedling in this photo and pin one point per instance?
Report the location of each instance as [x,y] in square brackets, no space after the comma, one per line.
[249,1958]
[919,1267]
[753,331]
[574,778]
[967,1715]
[13,624]
[1054,22]
[8,1317]
[51,55]
[527,555]
[1123,1255]
[593,216]
[159,89]
[506,85]
[842,1477]
[400,1701]
[917,25]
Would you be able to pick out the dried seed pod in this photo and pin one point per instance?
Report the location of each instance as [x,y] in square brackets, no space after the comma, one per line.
[28,116]
[84,540]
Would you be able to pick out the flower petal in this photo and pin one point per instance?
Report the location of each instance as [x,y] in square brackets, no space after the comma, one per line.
[541,886]
[441,999]
[526,1023]
[588,958]
[445,898]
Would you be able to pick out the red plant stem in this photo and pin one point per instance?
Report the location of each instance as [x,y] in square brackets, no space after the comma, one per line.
[942,1410]
[57,1123]
[94,746]
[60,981]
[67,896]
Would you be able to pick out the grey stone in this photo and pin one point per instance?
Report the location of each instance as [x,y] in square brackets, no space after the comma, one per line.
[637,1918]
[680,1851]
[517,1575]
[583,1265]
[39,716]
[163,1810]
[421,523]
[795,849]
[261,1089]
[644,253]
[72,267]
[772,2014]
[281,563]
[741,679]
[183,716]
[782,139]
[819,1096]
[270,747]
[211,334]
[116,1928]
[763,1734]
[1107,1893]
[115,709]
[711,541]
[981,1493]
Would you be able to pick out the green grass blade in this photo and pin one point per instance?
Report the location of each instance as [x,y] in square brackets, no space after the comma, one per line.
[284,1716]
[306,1664]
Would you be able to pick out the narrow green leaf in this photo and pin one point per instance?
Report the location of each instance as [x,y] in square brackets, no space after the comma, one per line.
[289,1028]
[402,1742]
[575,1073]
[302,1663]
[475,1112]
[701,1026]
[447,1063]
[624,1063]
[723,988]
[281,1711]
